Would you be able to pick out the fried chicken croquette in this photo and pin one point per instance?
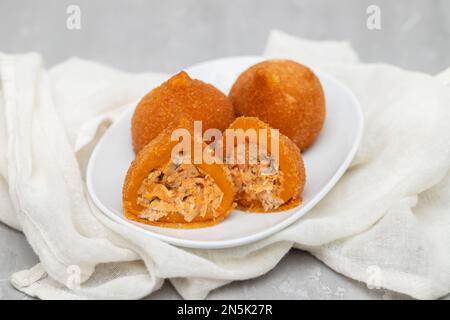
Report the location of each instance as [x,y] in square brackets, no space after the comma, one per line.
[264,185]
[176,193]
[286,95]
[178,97]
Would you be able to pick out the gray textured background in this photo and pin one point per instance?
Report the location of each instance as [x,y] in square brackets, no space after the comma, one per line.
[137,35]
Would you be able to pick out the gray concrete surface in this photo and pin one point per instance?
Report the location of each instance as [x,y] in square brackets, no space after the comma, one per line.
[138,35]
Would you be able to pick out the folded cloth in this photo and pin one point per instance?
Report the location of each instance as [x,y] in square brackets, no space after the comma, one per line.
[386,222]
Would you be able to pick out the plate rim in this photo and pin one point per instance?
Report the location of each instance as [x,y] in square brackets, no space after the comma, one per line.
[222,244]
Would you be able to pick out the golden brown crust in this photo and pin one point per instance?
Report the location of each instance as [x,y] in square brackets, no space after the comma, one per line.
[286,95]
[180,96]
[156,154]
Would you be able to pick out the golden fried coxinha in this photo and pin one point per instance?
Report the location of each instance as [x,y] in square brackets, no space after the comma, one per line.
[160,190]
[286,95]
[259,186]
[179,97]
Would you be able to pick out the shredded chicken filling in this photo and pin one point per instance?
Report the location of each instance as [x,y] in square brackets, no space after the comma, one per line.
[258,182]
[178,188]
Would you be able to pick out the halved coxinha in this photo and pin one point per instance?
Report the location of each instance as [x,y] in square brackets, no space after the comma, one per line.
[261,186]
[176,192]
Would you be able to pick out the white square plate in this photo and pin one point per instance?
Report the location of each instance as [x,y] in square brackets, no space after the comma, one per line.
[325,162]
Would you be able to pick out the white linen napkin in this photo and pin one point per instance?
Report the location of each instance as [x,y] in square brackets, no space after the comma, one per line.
[386,222]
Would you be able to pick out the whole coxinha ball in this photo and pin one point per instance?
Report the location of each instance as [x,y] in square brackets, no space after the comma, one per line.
[179,97]
[286,95]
